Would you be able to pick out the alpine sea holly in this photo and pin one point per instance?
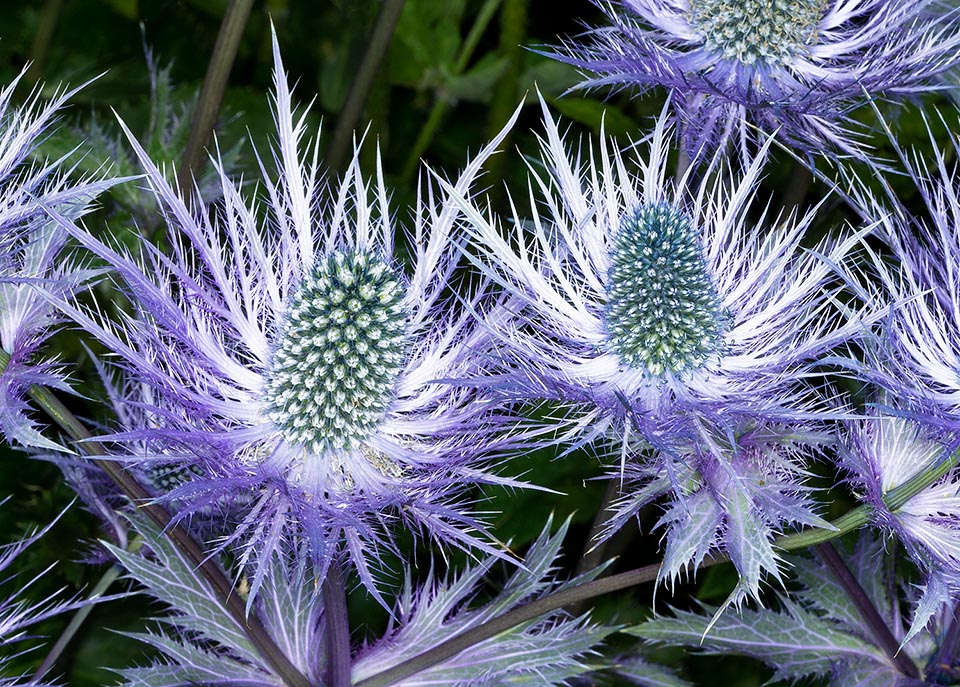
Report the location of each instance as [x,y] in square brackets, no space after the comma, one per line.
[916,354]
[285,361]
[681,329]
[791,66]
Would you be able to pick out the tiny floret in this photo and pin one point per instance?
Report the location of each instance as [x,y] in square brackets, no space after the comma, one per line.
[663,312]
[339,352]
[751,31]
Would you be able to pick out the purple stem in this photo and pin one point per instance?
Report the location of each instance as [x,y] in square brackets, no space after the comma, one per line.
[338,628]
[875,623]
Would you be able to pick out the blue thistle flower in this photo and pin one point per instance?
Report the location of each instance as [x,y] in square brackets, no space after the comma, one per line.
[916,354]
[32,254]
[792,66]
[283,361]
[680,329]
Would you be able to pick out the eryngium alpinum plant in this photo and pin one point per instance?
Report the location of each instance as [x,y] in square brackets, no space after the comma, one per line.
[315,406]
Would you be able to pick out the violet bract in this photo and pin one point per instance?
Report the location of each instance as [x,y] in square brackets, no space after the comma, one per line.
[682,329]
[32,254]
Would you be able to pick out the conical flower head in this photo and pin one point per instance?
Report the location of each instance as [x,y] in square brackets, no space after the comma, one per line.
[285,364]
[339,353]
[752,31]
[662,311]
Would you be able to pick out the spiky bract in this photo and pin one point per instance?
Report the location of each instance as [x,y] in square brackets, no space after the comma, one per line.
[31,254]
[298,370]
[18,612]
[884,453]
[830,637]
[791,66]
[198,643]
[682,329]
[915,355]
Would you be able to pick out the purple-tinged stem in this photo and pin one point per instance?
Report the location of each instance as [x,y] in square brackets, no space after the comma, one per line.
[337,626]
[211,94]
[874,621]
[848,522]
[523,614]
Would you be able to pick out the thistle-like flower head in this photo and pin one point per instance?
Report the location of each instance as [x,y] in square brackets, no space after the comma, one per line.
[664,306]
[31,254]
[285,360]
[790,65]
[681,327]
[916,353]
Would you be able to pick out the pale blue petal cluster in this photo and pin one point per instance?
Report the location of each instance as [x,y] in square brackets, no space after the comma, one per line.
[795,67]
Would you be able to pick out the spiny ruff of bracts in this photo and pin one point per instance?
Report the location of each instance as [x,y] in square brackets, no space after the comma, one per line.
[885,452]
[296,366]
[792,66]
[915,354]
[31,254]
[676,325]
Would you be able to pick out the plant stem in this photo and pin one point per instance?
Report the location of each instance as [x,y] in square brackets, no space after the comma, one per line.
[510,619]
[337,626]
[145,502]
[360,88]
[211,94]
[878,628]
[513,33]
[443,102]
[594,555]
[858,517]
[108,578]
